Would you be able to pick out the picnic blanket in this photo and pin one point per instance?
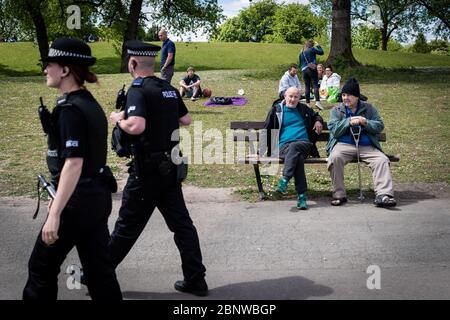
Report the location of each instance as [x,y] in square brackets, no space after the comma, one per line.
[237,101]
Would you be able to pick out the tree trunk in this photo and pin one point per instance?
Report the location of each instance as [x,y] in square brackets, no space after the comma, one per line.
[132,29]
[384,37]
[341,40]
[33,8]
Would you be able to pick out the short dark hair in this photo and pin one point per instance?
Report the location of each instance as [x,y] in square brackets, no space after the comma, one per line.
[190,68]
[329,66]
[293,65]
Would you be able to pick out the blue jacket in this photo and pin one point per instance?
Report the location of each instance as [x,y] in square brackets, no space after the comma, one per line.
[310,54]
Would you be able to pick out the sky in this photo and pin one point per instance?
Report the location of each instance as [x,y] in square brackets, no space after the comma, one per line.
[230,9]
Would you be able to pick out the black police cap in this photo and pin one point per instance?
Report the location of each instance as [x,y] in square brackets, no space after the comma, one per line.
[70,50]
[139,48]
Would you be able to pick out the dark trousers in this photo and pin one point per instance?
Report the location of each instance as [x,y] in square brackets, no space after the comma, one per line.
[308,76]
[83,225]
[294,153]
[140,198]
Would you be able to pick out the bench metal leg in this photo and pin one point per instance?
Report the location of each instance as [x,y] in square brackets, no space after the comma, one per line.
[262,194]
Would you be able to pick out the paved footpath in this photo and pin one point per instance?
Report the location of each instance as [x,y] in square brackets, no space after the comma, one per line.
[267,250]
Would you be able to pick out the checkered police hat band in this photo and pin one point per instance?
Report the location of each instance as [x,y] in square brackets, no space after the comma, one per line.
[59,53]
[142,53]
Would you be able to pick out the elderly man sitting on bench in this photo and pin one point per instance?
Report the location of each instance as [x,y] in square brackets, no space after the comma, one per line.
[298,127]
[342,146]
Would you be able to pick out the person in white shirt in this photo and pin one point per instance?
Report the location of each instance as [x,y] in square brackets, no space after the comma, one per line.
[330,79]
[289,79]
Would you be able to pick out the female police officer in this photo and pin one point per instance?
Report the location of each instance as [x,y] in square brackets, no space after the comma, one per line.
[76,159]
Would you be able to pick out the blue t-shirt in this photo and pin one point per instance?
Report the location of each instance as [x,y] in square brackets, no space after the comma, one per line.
[168,47]
[364,139]
[293,127]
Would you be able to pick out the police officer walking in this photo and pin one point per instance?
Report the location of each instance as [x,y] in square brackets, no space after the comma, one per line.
[153,111]
[76,157]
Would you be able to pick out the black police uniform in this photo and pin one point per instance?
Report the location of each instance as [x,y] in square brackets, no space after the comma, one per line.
[156,185]
[79,129]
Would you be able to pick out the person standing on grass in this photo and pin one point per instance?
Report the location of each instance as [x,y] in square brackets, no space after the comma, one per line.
[308,65]
[76,158]
[167,61]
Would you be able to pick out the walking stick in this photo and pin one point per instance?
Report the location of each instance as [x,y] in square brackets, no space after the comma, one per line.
[356,133]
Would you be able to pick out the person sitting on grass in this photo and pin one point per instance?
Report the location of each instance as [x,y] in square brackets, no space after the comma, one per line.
[190,85]
[297,128]
[330,80]
[289,79]
[341,146]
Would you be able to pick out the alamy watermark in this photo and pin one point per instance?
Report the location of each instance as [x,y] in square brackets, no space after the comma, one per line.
[74,279]
[74,19]
[211,146]
[374,280]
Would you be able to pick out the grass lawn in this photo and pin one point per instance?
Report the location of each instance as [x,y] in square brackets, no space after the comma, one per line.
[214,56]
[414,105]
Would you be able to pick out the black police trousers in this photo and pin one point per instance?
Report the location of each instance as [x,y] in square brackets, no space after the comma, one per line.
[83,224]
[140,198]
[294,153]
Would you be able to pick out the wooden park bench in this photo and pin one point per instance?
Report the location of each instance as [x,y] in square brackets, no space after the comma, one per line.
[249,131]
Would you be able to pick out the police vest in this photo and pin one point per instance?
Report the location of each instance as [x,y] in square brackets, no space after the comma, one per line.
[162,116]
[97,127]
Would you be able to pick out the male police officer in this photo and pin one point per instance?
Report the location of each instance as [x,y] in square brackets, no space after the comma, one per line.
[153,111]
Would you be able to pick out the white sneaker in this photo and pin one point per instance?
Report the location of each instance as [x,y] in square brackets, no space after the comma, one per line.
[319,105]
[194,99]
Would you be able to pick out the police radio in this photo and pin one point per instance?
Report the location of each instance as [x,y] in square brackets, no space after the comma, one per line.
[45,117]
[121,98]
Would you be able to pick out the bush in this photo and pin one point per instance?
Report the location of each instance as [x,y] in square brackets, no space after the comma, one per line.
[421,46]
[394,45]
[365,37]
[440,47]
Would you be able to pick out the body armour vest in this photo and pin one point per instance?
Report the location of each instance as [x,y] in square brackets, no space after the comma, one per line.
[96,127]
[162,114]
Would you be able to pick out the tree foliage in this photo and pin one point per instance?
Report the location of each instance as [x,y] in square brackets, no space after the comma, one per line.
[393,18]
[366,37]
[420,45]
[267,21]
[295,22]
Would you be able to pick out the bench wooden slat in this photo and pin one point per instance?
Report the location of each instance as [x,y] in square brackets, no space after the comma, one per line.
[254,159]
[257,125]
[243,136]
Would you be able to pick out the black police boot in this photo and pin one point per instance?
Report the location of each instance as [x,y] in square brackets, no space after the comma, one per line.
[198,288]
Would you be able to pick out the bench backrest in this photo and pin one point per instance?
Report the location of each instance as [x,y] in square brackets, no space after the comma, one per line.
[258,125]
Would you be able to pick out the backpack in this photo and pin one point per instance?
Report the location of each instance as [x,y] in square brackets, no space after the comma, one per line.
[221,100]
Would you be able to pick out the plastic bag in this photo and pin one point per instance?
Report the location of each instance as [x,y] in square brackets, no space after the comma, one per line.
[333,93]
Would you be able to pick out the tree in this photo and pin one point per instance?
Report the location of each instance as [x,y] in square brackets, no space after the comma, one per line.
[421,46]
[388,16]
[366,37]
[341,40]
[33,8]
[271,22]
[295,22]
[252,23]
[400,16]
[439,9]
[180,16]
